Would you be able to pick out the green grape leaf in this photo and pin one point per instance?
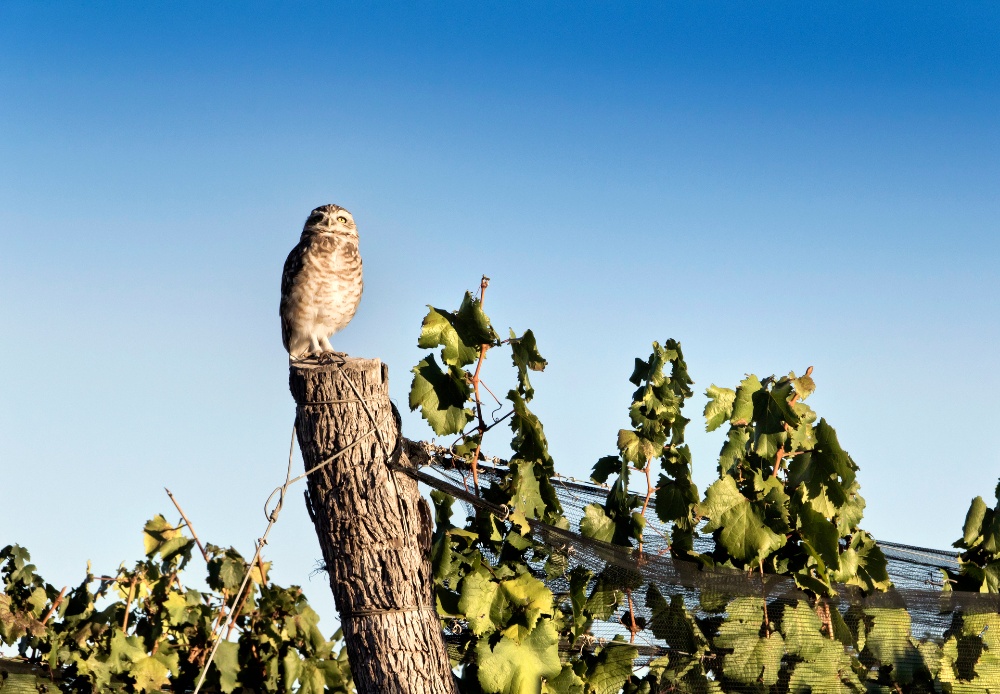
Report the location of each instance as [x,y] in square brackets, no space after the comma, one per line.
[672,623]
[827,469]
[830,672]
[579,579]
[873,571]
[605,467]
[801,629]
[291,667]
[596,524]
[984,628]
[719,407]
[743,403]
[529,442]
[524,353]
[226,570]
[512,667]
[178,610]
[228,666]
[802,437]
[531,599]
[438,329]
[675,499]
[767,445]
[568,682]
[820,536]
[150,673]
[313,678]
[460,334]
[774,501]
[490,605]
[679,377]
[755,658]
[825,666]
[734,450]
[889,641]
[472,323]
[613,665]
[125,650]
[973,523]
[527,494]
[851,512]
[804,385]
[604,597]
[441,397]
[635,448]
[743,533]
[159,537]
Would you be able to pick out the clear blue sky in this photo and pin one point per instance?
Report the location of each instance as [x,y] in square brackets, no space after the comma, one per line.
[773,184]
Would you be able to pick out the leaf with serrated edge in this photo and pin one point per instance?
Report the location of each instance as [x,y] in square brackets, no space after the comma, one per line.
[441,397]
[596,524]
[613,665]
[743,403]
[754,658]
[743,532]
[973,522]
[437,330]
[510,667]
[719,407]
[228,665]
[524,353]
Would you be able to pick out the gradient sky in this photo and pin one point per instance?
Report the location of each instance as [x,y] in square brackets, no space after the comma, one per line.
[776,185]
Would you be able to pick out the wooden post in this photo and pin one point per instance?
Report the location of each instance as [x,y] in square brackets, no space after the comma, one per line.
[373,527]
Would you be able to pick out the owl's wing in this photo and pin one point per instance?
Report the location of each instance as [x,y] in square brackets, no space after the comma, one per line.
[290,273]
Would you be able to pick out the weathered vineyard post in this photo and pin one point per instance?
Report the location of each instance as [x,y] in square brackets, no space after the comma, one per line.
[373,527]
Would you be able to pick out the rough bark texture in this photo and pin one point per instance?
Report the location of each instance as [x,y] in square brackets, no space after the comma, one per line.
[373,527]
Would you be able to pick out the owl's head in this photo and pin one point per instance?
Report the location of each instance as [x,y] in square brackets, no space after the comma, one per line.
[330,219]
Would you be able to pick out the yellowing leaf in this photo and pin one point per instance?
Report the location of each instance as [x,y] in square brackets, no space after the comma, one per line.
[519,668]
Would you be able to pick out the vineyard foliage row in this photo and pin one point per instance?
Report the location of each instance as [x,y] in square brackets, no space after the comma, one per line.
[786,502]
[141,629]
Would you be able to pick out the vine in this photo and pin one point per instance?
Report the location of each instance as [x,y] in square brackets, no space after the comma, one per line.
[142,630]
[786,503]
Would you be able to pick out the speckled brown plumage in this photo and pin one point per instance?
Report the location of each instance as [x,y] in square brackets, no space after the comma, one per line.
[321,284]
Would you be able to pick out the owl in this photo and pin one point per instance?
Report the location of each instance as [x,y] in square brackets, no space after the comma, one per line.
[321,284]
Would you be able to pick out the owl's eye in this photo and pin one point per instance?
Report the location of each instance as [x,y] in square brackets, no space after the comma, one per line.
[342,220]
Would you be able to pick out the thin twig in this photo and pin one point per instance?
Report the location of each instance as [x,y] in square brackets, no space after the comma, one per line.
[55,605]
[763,595]
[128,604]
[777,460]
[188,522]
[649,488]
[491,393]
[483,283]
[498,421]
[239,606]
[634,629]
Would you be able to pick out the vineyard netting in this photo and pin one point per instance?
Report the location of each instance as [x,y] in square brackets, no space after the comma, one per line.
[676,611]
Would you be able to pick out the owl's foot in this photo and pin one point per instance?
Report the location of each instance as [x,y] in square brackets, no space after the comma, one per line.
[331,357]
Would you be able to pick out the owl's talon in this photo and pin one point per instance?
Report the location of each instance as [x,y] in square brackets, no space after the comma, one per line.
[330,357]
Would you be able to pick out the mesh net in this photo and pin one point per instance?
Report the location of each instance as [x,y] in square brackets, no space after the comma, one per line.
[920,607]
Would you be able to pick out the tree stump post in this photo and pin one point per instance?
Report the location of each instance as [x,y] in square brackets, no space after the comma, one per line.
[373,527]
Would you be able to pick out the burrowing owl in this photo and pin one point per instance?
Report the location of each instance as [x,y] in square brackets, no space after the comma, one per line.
[321,284]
